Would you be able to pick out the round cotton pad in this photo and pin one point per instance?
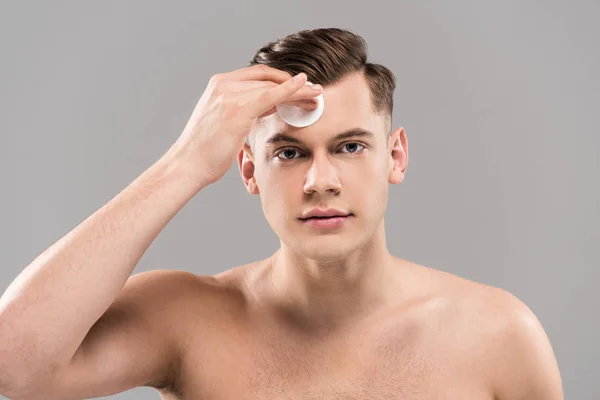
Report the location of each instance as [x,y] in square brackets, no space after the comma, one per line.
[298,116]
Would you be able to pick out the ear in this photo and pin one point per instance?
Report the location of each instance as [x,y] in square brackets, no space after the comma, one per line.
[246,167]
[398,148]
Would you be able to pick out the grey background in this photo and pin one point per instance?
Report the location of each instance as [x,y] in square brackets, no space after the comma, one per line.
[498,100]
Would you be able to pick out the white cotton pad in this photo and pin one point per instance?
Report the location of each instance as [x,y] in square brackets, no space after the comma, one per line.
[298,116]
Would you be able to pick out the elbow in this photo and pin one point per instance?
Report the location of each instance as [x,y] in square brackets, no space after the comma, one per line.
[12,391]
[12,387]
[22,391]
[21,374]
[17,385]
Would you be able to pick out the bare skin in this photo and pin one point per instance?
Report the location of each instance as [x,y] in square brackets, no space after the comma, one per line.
[330,315]
[432,339]
[334,315]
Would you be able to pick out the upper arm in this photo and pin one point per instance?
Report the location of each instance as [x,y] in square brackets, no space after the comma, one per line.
[133,344]
[524,365]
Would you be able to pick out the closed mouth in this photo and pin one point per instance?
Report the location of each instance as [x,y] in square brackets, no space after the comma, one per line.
[333,216]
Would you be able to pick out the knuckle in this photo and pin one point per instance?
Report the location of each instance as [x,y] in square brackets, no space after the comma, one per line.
[265,96]
[222,100]
[228,102]
[262,67]
[226,98]
[218,84]
[216,78]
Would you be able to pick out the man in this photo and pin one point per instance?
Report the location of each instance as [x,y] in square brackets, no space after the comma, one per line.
[331,314]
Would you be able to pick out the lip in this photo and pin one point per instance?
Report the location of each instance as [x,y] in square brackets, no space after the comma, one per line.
[328,212]
[326,223]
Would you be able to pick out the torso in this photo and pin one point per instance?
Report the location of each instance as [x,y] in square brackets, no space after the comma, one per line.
[430,347]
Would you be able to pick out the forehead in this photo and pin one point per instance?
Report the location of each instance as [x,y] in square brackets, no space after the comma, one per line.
[348,105]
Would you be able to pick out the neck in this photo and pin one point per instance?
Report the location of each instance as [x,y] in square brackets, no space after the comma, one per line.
[317,293]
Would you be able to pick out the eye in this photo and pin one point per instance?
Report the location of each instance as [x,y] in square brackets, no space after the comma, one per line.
[287,150]
[350,143]
[284,151]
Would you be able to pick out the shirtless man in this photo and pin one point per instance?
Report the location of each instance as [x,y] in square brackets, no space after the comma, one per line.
[331,315]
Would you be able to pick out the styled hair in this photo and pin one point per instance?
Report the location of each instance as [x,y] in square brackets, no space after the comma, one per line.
[327,55]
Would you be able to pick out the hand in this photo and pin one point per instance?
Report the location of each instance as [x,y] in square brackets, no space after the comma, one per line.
[227,111]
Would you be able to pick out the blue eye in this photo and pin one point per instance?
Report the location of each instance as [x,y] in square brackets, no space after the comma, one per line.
[290,149]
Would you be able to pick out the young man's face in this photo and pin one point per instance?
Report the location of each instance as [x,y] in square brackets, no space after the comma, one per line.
[350,174]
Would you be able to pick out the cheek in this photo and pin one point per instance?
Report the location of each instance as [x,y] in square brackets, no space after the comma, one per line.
[375,187]
[277,201]
[371,173]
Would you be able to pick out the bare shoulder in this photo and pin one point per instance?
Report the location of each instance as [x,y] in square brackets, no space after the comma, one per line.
[500,334]
[166,298]
[466,293]
[177,301]
[483,313]
[179,291]
[175,304]
[494,309]
[168,281]
[167,290]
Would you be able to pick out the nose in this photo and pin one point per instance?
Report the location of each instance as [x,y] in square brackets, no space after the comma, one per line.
[322,177]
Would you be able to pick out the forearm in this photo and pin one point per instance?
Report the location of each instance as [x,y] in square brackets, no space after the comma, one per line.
[48,309]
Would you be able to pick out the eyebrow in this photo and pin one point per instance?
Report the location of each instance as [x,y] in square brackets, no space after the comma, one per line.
[355,132]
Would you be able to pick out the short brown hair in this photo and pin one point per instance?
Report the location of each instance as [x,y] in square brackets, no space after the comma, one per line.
[326,55]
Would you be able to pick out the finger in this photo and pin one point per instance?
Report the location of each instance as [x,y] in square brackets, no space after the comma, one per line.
[262,99]
[308,92]
[240,86]
[270,111]
[258,72]
[305,104]
[268,98]
[253,100]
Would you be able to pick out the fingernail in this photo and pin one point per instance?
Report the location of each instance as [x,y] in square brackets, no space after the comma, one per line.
[299,77]
[316,87]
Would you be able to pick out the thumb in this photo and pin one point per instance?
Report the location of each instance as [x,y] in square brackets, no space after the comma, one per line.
[278,94]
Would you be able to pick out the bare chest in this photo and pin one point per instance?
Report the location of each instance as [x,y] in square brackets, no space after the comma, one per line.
[374,365]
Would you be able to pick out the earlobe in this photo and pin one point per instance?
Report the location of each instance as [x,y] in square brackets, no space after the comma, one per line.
[253,187]
[398,159]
